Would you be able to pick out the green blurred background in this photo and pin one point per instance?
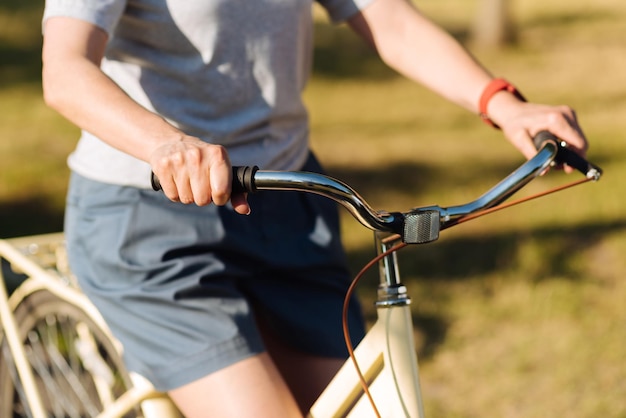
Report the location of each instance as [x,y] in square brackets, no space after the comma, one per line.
[518,314]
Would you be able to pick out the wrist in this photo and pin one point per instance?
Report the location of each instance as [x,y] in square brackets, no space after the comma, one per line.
[497,94]
[163,142]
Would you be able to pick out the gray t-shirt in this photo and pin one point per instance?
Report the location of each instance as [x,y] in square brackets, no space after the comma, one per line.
[228,71]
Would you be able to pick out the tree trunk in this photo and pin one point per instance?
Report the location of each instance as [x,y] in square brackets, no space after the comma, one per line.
[493,26]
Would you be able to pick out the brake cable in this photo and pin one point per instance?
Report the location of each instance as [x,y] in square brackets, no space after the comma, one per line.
[523,199]
[399,246]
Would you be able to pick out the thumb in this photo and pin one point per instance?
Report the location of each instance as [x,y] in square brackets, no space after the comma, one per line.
[240,203]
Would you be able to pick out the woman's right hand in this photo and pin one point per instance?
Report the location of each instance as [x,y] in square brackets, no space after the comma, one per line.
[193,171]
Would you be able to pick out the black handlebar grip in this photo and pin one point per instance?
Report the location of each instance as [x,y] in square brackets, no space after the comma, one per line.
[243,180]
[542,137]
[567,156]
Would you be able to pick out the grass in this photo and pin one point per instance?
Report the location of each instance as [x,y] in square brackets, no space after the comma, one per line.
[517,314]
[35,140]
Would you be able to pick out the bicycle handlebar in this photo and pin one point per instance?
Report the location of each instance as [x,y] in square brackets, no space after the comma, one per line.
[418,225]
[567,156]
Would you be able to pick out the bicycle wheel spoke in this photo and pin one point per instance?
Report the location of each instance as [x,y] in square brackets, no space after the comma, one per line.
[68,367]
[103,378]
[73,381]
[51,386]
[77,368]
[20,406]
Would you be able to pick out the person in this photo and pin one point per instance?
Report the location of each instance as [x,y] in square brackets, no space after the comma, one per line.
[225,312]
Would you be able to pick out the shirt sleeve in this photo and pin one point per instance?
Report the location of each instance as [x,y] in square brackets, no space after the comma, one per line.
[102,13]
[340,10]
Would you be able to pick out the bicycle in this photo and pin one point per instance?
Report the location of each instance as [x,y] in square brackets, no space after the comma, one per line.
[60,359]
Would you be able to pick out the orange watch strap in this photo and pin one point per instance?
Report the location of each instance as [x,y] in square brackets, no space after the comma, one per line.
[494,86]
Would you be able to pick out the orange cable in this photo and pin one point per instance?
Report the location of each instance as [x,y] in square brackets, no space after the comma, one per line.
[373,261]
[346,332]
[522,200]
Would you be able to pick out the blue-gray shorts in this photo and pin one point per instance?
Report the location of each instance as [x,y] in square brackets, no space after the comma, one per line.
[182,286]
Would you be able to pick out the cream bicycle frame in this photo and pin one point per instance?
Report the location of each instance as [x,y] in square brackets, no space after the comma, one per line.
[388,343]
[153,403]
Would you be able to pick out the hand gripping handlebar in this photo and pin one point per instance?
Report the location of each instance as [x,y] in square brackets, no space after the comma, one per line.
[418,225]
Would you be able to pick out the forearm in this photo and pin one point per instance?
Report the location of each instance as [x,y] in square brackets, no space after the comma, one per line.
[79,91]
[415,47]
[189,169]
